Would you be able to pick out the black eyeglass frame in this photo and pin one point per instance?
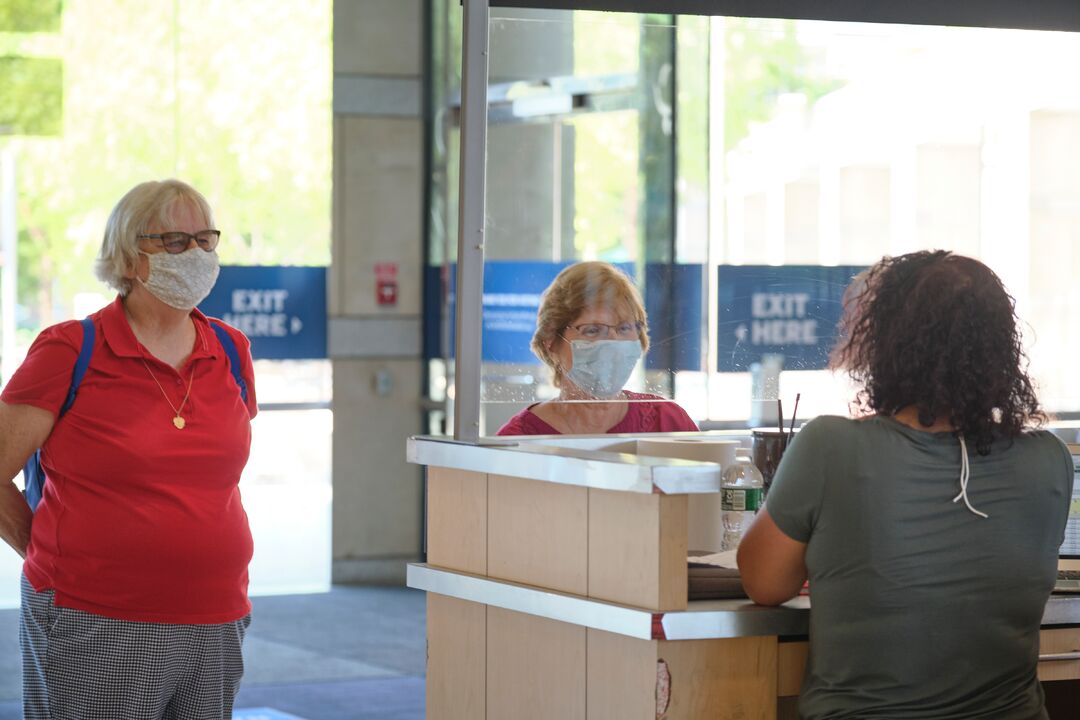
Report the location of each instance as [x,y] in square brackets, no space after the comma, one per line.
[637,326]
[175,242]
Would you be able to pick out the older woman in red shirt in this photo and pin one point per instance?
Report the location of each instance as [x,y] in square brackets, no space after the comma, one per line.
[591,331]
[134,598]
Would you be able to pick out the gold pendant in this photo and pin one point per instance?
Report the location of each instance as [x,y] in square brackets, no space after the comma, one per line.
[178,422]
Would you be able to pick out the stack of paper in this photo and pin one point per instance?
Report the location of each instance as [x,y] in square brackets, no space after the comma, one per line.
[714,577]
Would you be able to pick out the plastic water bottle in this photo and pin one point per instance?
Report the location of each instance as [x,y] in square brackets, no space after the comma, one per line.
[741,491]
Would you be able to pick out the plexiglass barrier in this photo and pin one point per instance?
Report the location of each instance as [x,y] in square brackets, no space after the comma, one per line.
[740,172]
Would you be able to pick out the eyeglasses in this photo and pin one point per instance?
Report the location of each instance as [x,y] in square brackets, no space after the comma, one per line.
[176,242]
[595,331]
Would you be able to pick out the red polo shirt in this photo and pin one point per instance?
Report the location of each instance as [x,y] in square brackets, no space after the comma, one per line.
[642,416]
[139,520]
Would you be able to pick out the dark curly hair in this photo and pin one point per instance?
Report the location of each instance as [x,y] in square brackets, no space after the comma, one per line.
[938,331]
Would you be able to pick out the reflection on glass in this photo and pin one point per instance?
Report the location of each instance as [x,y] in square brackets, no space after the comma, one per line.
[879,140]
[591,332]
[580,167]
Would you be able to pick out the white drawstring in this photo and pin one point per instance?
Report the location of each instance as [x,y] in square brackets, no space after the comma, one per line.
[965,475]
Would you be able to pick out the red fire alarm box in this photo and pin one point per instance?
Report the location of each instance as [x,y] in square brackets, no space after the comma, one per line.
[386,284]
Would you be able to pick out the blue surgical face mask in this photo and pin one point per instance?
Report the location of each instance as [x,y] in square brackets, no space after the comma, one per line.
[602,367]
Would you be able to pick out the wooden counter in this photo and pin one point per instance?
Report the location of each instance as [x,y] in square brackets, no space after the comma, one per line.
[557,588]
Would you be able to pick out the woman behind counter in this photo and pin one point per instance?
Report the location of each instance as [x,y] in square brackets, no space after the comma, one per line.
[134,589]
[591,331]
[929,528]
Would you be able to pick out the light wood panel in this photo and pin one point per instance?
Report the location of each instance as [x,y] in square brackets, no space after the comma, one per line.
[1066,640]
[538,533]
[637,549]
[536,668]
[722,679]
[791,660]
[673,551]
[457,520]
[621,677]
[456,659]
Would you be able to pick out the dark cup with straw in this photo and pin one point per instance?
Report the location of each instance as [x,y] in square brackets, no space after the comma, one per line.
[768,447]
[769,444]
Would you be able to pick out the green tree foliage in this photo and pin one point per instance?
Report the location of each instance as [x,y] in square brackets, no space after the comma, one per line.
[764,59]
[26,16]
[233,97]
[31,95]
[607,193]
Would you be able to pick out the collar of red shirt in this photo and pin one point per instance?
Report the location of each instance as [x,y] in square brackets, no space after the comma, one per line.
[121,339]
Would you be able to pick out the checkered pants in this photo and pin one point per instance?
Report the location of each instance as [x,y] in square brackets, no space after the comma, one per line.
[81,666]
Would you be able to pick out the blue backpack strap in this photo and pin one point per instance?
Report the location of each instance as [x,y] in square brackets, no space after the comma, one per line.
[81,363]
[234,357]
[33,473]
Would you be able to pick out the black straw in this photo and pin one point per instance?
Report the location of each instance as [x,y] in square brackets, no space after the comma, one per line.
[791,432]
[780,415]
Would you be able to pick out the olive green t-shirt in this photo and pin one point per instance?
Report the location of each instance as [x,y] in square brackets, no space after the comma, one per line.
[920,608]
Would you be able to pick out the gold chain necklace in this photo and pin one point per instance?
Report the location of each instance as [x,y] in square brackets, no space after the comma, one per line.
[178,421]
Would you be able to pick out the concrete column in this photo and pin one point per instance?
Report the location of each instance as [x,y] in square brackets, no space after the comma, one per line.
[530,202]
[530,186]
[802,201]
[948,197]
[377,229]
[530,206]
[864,211]
[829,214]
[904,201]
[754,241]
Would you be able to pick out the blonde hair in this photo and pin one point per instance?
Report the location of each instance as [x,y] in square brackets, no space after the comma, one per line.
[574,290]
[149,204]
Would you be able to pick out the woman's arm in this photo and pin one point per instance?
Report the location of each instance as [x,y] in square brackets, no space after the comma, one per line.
[772,565]
[23,429]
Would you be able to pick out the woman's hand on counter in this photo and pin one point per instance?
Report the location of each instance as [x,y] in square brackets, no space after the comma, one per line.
[772,565]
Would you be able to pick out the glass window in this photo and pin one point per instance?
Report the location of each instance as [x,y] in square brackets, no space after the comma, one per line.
[845,142]
[731,163]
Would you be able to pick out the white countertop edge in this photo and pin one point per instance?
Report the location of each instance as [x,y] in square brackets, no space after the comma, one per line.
[702,620]
[598,469]
[532,601]
[713,619]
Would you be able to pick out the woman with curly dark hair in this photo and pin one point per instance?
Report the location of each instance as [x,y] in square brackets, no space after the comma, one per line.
[929,527]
